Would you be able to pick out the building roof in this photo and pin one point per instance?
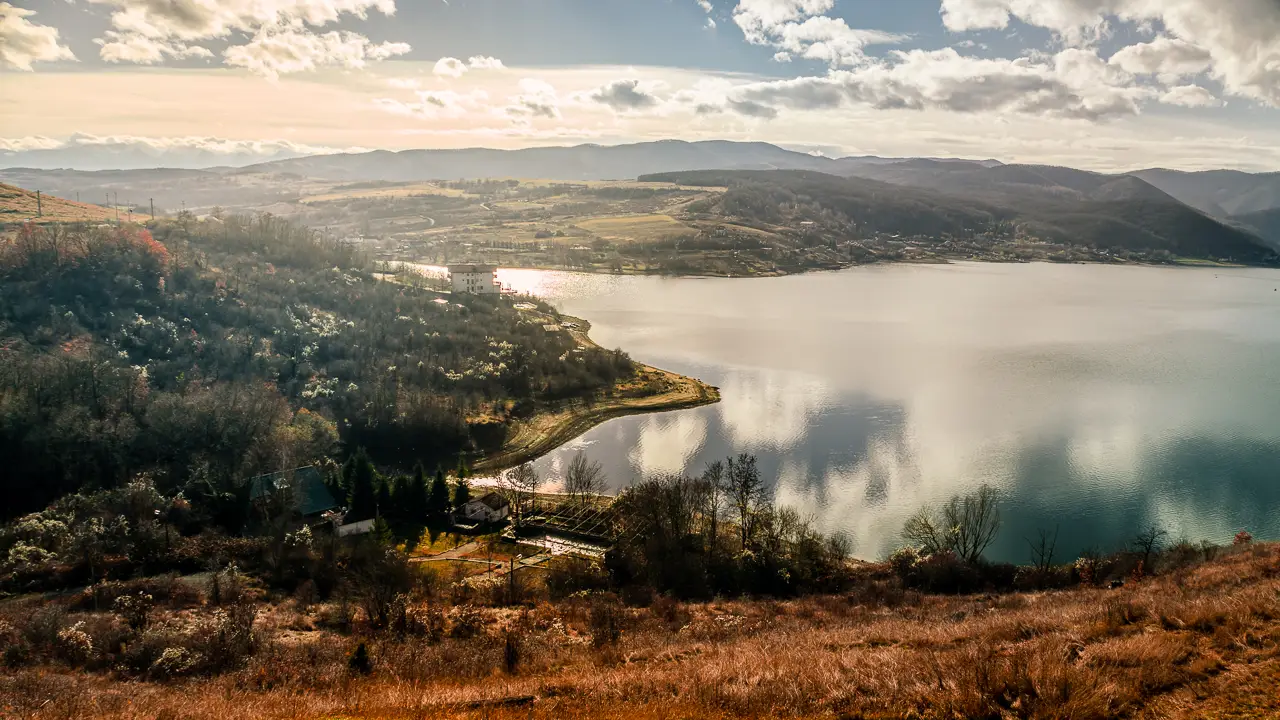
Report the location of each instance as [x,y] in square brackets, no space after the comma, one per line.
[310,496]
[494,501]
[465,269]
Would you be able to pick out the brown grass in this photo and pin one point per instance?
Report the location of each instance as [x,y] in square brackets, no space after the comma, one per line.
[634,228]
[18,205]
[1204,642]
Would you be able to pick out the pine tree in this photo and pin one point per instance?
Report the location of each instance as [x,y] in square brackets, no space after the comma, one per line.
[416,504]
[438,500]
[461,492]
[386,500]
[361,482]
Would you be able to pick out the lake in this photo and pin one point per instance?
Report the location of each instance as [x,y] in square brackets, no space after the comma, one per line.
[1098,399]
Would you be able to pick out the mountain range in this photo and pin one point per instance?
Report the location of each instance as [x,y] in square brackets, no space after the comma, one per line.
[1246,202]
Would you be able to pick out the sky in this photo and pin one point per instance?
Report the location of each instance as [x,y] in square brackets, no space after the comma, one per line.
[1101,84]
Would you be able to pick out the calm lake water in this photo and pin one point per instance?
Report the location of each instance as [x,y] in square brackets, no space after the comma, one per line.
[1098,399]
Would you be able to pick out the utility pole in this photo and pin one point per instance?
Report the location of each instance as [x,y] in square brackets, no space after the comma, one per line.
[117,206]
[153,209]
[39,205]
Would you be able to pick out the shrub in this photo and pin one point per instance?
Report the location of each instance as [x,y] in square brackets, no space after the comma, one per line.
[468,622]
[134,609]
[359,660]
[606,621]
[1242,538]
[174,662]
[74,644]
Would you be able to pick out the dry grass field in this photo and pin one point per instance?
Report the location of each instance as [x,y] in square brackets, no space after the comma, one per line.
[395,191]
[1200,641]
[19,205]
[634,228]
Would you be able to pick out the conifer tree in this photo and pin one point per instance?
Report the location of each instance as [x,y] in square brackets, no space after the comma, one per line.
[461,492]
[415,503]
[438,499]
[361,485]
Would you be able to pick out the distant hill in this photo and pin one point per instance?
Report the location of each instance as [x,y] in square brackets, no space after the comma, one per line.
[1265,223]
[1218,192]
[1006,182]
[781,196]
[19,205]
[1083,208]
[581,162]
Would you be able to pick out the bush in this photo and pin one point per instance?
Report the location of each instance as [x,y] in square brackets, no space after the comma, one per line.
[359,660]
[134,609]
[606,621]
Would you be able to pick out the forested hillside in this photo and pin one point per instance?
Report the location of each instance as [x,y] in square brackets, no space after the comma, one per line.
[1056,205]
[213,351]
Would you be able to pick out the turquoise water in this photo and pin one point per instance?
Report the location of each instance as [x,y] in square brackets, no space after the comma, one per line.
[1097,399]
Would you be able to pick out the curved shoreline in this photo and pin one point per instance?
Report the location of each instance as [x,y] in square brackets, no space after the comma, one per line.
[548,429]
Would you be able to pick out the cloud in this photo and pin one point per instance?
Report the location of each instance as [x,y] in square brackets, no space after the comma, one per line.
[89,151]
[536,99]
[1074,84]
[624,96]
[1192,96]
[274,52]
[482,62]
[201,19]
[449,67]
[33,142]
[753,109]
[1241,37]
[149,31]
[23,42]
[799,28]
[705,5]
[455,68]
[436,103]
[1168,58]
[133,48]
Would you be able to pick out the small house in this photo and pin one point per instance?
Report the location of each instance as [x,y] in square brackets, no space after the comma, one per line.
[300,494]
[475,279]
[492,507]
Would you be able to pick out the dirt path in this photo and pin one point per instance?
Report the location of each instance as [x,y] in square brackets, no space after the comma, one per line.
[453,554]
[548,430]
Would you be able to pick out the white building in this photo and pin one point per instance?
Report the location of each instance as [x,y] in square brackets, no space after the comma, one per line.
[490,508]
[476,279]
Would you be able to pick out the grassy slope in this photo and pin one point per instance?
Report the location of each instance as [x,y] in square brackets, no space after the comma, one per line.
[1200,642]
[18,205]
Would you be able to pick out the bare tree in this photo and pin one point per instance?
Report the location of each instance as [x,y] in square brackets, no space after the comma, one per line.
[584,478]
[745,490]
[713,480]
[966,525]
[521,485]
[1149,542]
[1042,549]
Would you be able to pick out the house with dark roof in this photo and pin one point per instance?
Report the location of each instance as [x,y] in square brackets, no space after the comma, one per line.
[301,493]
[491,507]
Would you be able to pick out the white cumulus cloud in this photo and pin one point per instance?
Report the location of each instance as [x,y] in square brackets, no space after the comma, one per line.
[282,39]
[23,42]
[133,48]
[1074,84]
[1240,37]
[274,52]
[1192,96]
[800,28]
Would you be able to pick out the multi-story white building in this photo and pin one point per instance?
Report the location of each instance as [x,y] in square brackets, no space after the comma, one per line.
[476,279]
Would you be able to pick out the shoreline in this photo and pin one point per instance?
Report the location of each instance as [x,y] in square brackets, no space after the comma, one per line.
[1188,263]
[548,429]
